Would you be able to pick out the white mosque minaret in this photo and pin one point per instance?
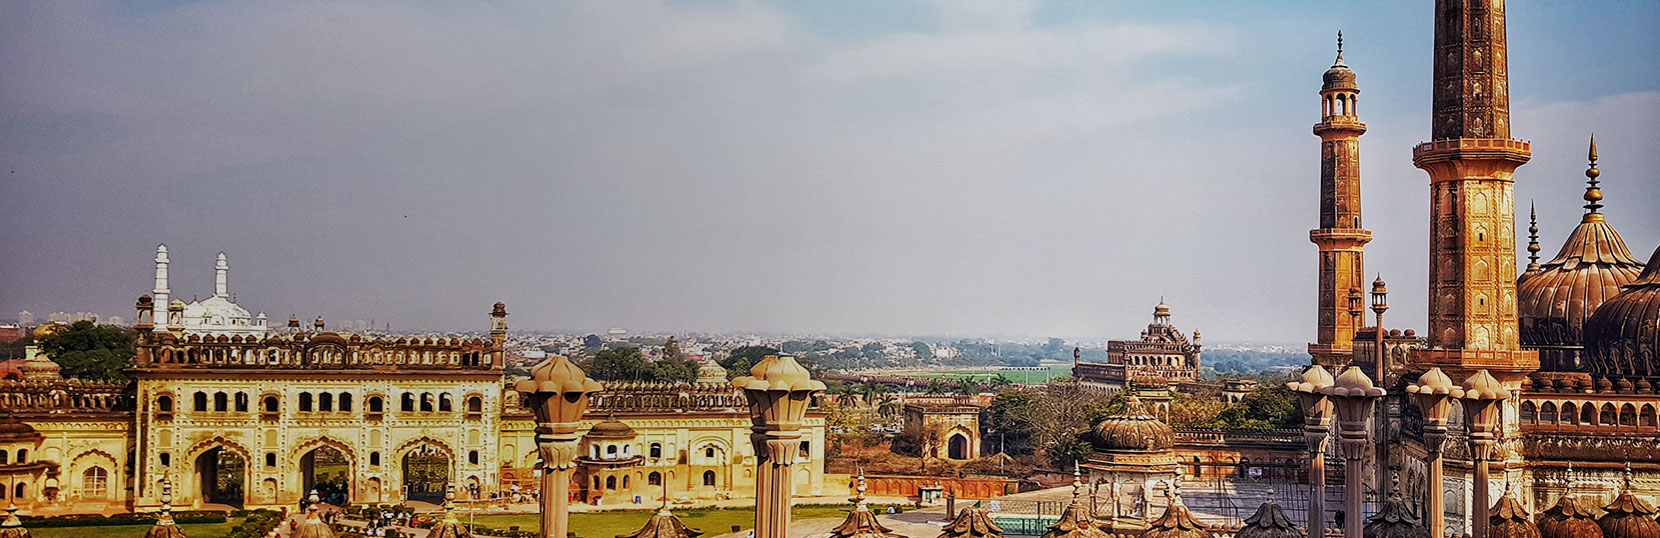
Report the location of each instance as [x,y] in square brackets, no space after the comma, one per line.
[215,315]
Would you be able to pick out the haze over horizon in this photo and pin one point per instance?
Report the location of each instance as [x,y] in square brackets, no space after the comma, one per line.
[863,167]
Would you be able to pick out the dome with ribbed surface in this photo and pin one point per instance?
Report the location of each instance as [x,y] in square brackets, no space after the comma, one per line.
[1628,517]
[1269,522]
[1510,520]
[1623,336]
[1554,304]
[12,527]
[1394,520]
[973,522]
[1134,429]
[1569,518]
[1177,522]
[611,428]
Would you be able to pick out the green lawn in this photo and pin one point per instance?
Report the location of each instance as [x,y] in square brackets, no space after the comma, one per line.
[612,523]
[194,530]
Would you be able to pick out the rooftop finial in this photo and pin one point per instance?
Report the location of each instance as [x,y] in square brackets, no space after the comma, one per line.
[1339,47]
[1593,193]
[1077,482]
[1532,237]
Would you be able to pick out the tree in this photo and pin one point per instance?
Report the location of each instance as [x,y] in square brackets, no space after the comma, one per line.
[676,370]
[671,350]
[741,359]
[1272,406]
[92,352]
[619,364]
[1010,417]
[592,341]
[923,352]
[1190,411]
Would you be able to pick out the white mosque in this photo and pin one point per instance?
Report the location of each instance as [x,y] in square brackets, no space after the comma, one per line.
[217,315]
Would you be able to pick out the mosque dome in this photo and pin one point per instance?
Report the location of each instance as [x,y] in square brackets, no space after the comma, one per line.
[15,431]
[1628,517]
[38,367]
[1134,429]
[46,330]
[1161,310]
[1269,522]
[611,428]
[1554,302]
[1509,519]
[1623,335]
[711,372]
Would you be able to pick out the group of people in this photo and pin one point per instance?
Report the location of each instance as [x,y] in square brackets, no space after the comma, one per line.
[387,518]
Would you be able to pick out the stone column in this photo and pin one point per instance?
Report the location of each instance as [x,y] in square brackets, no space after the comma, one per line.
[1481,397]
[779,391]
[1353,395]
[1432,395]
[557,393]
[1317,414]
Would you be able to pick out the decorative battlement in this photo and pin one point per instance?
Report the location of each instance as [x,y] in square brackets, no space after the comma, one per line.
[1496,360]
[71,396]
[322,350]
[1470,149]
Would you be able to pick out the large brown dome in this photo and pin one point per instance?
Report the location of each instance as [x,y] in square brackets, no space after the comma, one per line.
[1593,264]
[1134,429]
[1623,336]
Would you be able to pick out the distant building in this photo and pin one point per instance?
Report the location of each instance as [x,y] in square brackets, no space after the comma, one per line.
[25,318]
[1162,355]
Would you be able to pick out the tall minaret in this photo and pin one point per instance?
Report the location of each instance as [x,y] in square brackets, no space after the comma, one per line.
[219,270]
[161,293]
[1471,160]
[1339,237]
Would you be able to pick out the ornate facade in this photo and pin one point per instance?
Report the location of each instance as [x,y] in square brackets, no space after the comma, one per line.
[257,418]
[1163,355]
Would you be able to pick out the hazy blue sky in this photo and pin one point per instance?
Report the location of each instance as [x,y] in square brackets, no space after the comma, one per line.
[856,166]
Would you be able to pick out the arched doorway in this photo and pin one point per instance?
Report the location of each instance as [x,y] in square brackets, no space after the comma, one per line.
[327,470]
[426,474]
[221,476]
[957,447]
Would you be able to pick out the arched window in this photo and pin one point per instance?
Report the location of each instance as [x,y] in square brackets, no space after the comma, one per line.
[374,404]
[325,401]
[271,405]
[709,478]
[444,404]
[1547,413]
[408,405]
[709,452]
[625,481]
[654,479]
[374,459]
[164,404]
[610,452]
[21,490]
[95,480]
[596,483]
[22,455]
[1529,416]
[221,403]
[200,401]
[270,459]
[426,402]
[305,402]
[656,452]
[346,402]
[1570,413]
[472,457]
[1607,417]
[242,402]
[3,455]
[610,482]
[166,459]
[475,405]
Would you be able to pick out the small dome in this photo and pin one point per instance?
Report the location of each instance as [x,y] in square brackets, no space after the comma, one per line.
[15,431]
[973,522]
[1177,522]
[1569,518]
[1394,520]
[1510,520]
[1554,304]
[1623,335]
[1162,310]
[1134,429]
[1269,522]
[1629,517]
[611,428]
[1339,77]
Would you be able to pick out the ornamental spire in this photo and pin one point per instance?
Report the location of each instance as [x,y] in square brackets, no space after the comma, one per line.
[1339,49]
[1532,238]
[1593,193]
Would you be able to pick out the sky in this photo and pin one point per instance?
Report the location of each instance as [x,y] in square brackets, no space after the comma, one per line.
[951,168]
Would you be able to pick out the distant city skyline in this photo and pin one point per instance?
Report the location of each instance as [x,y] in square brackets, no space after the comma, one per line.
[1007,168]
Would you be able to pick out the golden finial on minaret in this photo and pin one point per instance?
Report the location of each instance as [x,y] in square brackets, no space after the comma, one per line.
[1339,47]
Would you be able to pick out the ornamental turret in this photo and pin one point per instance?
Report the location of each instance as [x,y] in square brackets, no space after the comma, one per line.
[1340,238]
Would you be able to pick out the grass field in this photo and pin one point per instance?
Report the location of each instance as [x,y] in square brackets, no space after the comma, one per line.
[610,524]
[202,530]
